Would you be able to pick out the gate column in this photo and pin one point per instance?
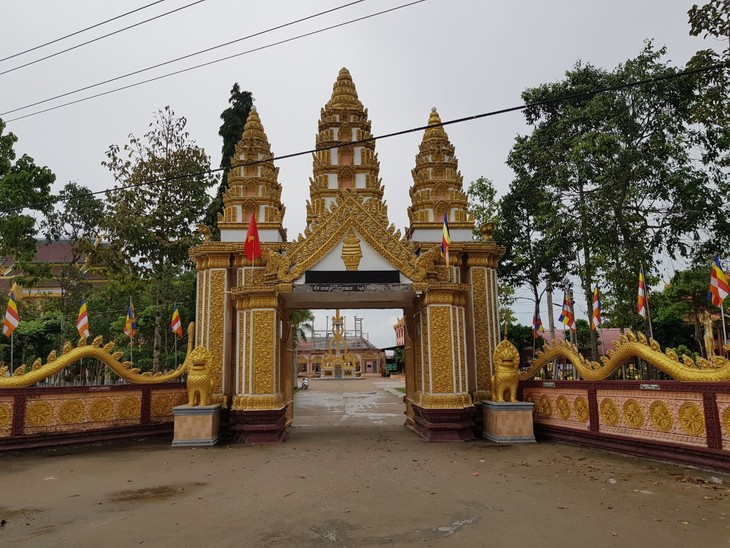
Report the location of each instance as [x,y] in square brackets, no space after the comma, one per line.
[442,406]
[258,412]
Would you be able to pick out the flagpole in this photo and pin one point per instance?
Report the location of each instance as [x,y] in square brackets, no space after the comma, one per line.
[724,333]
[131,339]
[12,338]
[646,299]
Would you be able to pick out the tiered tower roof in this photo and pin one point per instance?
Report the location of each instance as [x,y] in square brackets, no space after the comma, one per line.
[253,188]
[437,185]
[346,161]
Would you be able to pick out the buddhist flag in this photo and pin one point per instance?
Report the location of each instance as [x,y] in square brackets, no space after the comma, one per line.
[537,327]
[12,318]
[641,299]
[445,240]
[596,318]
[176,323]
[130,325]
[82,323]
[566,314]
[719,288]
[253,244]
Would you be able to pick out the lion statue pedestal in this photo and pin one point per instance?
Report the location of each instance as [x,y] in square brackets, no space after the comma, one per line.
[507,420]
[198,422]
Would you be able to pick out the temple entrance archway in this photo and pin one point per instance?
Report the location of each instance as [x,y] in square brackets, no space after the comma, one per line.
[352,256]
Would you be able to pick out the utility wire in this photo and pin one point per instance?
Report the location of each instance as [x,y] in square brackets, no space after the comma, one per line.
[523,106]
[158,65]
[79,31]
[29,63]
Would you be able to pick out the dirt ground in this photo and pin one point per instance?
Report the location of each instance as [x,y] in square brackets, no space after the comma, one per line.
[350,474]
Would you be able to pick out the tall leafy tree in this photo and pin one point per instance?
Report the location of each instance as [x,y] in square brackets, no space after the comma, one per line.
[24,188]
[160,194]
[620,166]
[234,119]
[711,115]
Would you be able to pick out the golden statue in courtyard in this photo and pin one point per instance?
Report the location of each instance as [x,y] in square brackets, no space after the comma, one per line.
[505,378]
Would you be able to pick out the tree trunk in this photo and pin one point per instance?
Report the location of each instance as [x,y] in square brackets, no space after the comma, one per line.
[157,345]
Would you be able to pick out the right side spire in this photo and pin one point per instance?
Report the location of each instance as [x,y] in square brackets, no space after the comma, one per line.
[437,187]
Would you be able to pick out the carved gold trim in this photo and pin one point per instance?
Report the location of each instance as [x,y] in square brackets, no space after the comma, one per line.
[442,401]
[609,412]
[633,414]
[563,407]
[580,405]
[691,419]
[258,402]
[633,346]
[661,416]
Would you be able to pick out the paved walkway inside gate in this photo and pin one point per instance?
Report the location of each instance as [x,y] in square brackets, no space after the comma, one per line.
[351,474]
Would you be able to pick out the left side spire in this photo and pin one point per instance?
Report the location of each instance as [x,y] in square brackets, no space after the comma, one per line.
[253,187]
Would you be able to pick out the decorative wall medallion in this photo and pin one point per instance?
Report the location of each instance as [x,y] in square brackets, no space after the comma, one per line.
[71,412]
[691,419]
[129,408]
[609,413]
[161,405]
[545,407]
[633,414]
[580,404]
[351,252]
[563,407]
[661,416]
[5,416]
[38,414]
[101,410]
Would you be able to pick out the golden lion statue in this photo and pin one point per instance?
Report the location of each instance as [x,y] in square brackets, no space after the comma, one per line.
[506,378]
[199,382]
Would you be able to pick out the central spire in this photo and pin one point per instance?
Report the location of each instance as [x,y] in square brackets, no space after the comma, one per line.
[343,161]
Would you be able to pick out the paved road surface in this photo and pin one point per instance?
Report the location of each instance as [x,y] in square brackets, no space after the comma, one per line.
[350,474]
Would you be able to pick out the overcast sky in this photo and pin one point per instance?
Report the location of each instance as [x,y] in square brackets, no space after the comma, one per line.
[462,56]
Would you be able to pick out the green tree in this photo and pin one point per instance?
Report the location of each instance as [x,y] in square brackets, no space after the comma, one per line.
[75,219]
[619,164]
[234,119]
[161,193]
[482,203]
[302,322]
[24,188]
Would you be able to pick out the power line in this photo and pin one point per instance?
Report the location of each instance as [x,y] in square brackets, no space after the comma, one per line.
[215,61]
[80,31]
[29,63]
[523,106]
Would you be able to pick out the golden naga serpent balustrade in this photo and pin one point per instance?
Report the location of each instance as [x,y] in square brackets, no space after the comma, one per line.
[39,371]
[630,346]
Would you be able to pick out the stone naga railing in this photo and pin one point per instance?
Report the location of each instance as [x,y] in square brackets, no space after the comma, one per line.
[39,371]
[630,346]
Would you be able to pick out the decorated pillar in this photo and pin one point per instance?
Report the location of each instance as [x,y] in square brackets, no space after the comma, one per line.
[212,312]
[258,412]
[483,335]
[443,409]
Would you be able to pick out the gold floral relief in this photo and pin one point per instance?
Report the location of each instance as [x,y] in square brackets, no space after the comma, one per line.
[443,401]
[661,416]
[481,332]
[580,405]
[440,347]
[633,414]
[217,327]
[544,407]
[563,407]
[726,420]
[161,405]
[38,414]
[6,416]
[101,410]
[257,402]
[264,342]
[71,412]
[609,412]
[129,408]
[691,419]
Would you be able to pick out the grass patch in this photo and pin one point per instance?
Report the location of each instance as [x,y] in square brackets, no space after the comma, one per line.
[401,390]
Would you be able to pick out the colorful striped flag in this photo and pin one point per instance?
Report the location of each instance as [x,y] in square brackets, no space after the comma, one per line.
[537,327]
[566,314]
[719,288]
[641,299]
[12,318]
[445,239]
[176,323]
[596,318]
[82,323]
[130,325]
